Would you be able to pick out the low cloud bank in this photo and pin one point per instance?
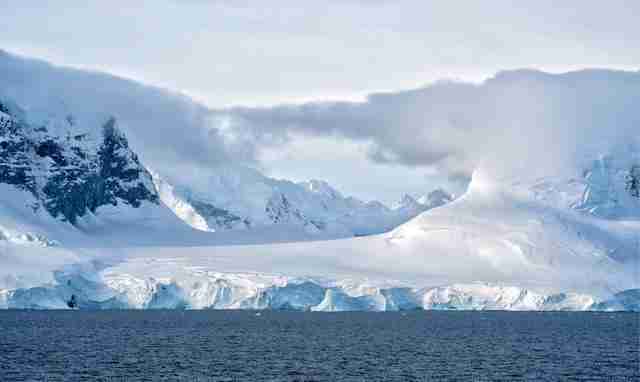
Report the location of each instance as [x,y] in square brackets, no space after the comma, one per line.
[516,121]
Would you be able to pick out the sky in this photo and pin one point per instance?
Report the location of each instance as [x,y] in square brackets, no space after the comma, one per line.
[324,60]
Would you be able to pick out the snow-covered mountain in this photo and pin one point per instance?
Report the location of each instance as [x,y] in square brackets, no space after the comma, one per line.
[67,174]
[83,224]
[69,170]
[63,181]
[241,198]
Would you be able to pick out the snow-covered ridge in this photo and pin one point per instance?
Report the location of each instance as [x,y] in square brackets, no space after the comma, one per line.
[240,198]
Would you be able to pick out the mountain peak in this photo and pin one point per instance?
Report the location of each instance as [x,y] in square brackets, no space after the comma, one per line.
[436,198]
[407,201]
[321,187]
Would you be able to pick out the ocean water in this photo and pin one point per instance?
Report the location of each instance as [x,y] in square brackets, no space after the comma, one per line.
[289,346]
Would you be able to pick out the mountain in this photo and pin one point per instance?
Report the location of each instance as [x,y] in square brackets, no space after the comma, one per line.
[68,183]
[240,198]
[86,180]
[435,198]
[67,134]
[71,171]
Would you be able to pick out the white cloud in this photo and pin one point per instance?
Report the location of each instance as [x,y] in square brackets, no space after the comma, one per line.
[517,121]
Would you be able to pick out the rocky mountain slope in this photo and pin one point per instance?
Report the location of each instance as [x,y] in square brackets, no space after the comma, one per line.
[71,171]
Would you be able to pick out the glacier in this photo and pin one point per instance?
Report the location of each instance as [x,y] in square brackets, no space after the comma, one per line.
[458,256]
[494,248]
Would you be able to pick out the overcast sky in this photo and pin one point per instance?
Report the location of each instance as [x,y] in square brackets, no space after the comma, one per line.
[241,53]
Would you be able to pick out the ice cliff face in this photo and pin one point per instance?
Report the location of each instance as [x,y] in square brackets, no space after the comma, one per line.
[73,289]
[71,170]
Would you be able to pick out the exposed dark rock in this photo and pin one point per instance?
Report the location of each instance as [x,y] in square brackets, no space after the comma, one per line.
[73,302]
[75,176]
[15,148]
[633,181]
[123,176]
[280,210]
[219,216]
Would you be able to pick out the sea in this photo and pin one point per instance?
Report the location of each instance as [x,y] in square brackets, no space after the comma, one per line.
[210,346]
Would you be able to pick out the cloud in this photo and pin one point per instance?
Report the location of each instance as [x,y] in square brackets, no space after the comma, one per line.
[169,130]
[522,120]
[517,121]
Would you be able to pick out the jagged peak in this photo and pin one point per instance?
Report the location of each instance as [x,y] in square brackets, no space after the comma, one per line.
[5,120]
[436,198]
[321,187]
[407,202]
[4,109]
[110,130]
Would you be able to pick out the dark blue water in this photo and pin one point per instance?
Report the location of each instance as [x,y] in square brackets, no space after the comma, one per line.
[281,346]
